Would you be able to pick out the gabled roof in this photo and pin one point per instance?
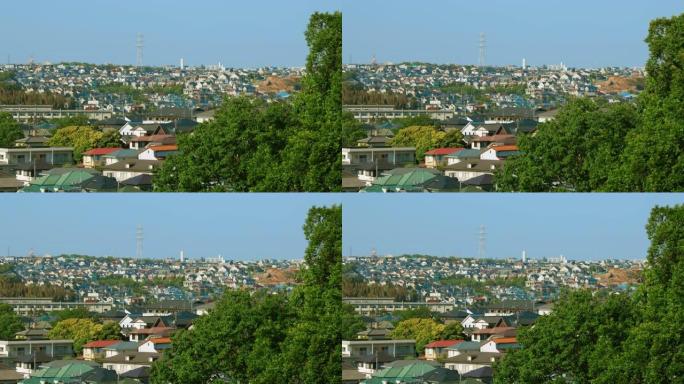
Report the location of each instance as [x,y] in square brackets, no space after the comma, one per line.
[443,151]
[101,343]
[100,151]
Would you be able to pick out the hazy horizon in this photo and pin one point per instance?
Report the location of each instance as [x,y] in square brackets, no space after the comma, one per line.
[236,226]
[587,34]
[205,32]
[577,226]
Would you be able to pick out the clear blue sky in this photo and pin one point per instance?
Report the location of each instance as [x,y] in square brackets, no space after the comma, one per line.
[237,226]
[238,33]
[578,226]
[587,33]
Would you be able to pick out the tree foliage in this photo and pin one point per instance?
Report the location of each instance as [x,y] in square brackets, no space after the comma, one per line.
[10,323]
[83,331]
[425,138]
[12,286]
[594,147]
[577,151]
[10,131]
[424,331]
[281,146]
[267,338]
[81,138]
[616,338]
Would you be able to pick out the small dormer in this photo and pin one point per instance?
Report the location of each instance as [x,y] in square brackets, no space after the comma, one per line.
[151,359]
[129,165]
[128,358]
[470,358]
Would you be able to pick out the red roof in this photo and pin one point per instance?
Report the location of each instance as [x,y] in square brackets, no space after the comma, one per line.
[443,151]
[506,148]
[443,343]
[161,340]
[101,343]
[100,151]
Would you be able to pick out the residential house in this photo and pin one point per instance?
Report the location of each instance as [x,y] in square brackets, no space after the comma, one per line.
[158,152]
[96,349]
[395,348]
[437,157]
[127,169]
[56,156]
[53,348]
[438,349]
[94,157]
[127,361]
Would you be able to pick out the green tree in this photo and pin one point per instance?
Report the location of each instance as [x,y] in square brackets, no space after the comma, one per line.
[577,151]
[75,313]
[81,138]
[109,331]
[424,331]
[10,131]
[255,146]
[81,331]
[425,138]
[653,159]
[109,139]
[10,323]
[452,331]
[265,338]
[613,338]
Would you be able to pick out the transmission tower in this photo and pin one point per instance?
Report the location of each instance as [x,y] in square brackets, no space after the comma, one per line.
[139,242]
[482,246]
[483,49]
[139,45]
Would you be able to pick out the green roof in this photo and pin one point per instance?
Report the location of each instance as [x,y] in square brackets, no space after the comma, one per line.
[71,179]
[412,180]
[404,371]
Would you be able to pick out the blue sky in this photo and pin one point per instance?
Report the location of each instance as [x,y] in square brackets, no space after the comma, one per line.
[238,33]
[578,226]
[237,226]
[587,33]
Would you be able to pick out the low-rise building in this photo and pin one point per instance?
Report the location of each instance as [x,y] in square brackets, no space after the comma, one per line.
[53,348]
[395,348]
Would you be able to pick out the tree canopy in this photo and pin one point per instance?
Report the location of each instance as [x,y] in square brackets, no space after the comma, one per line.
[425,138]
[10,131]
[81,138]
[613,338]
[83,331]
[281,146]
[591,146]
[265,338]
[10,323]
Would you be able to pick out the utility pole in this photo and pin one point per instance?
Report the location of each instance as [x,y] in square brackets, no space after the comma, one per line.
[482,246]
[139,242]
[483,49]
[139,45]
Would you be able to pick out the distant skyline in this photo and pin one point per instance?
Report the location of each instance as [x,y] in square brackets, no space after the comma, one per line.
[246,34]
[581,33]
[237,226]
[577,226]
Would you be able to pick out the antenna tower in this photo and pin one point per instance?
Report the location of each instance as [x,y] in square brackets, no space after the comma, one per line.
[139,242]
[139,45]
[482,246]
[483,49]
